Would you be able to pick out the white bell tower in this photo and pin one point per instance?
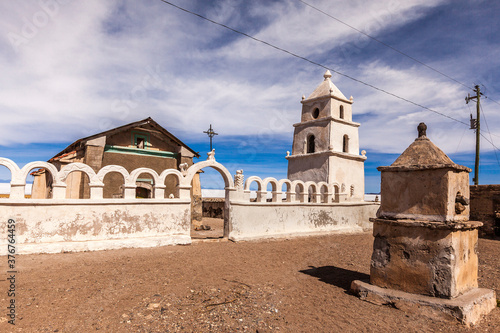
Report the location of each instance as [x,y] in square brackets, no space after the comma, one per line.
[326,143]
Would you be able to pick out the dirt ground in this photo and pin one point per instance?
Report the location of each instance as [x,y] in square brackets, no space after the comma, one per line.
[298,285]
[216,229]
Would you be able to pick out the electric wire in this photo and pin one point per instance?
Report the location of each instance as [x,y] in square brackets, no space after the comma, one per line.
[392,48]
[385,44]
[311,61]
[461,138]
[488,128]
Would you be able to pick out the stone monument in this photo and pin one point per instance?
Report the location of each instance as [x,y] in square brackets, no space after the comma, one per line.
[425,248]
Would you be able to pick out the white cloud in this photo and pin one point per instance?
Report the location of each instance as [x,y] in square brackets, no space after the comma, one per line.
[95,65]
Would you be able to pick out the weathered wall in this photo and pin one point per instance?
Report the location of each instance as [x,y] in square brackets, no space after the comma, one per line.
[268,220]
[352,173]
[428,258]
[50,226]
[311,167]
[485,207]
[427,194]
[62,224]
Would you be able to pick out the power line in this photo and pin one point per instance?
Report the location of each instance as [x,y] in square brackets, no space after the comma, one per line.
[385,44]
[488,128]
[311,61]
[396,50]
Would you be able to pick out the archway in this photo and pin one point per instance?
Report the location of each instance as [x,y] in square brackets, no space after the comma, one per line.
[40,180]
[5,179]
[215,198]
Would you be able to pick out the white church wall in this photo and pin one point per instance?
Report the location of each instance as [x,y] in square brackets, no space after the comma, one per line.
[339,130]
[51,226]
[352,174]
[60,224]
[252,221]
[312,167]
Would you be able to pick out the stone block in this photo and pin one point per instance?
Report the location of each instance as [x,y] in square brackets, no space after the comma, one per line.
[428,258]
[468,308]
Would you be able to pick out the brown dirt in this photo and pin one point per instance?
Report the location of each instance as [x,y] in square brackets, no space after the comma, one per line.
[298,285]
[216,229]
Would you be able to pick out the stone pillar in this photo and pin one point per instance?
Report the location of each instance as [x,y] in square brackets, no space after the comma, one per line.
[425,247]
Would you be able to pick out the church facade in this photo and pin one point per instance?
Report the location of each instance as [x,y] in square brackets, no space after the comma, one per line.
[139,144]
[326,143]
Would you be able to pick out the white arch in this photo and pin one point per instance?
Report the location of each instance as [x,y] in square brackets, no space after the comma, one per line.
[113,168]
[311,184]
[326,195]
[174,172]
[298,182]
[77,166]
[193,169]
[299,196]
[137,172]
[40,164]
[256,179]
[15,171]
[285,181]
[321,185]
[271,180]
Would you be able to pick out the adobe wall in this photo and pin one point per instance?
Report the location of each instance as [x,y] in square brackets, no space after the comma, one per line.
[485,207]
[130,162]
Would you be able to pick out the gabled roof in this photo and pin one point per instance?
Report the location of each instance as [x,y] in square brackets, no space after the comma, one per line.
[326,88]
[148,120]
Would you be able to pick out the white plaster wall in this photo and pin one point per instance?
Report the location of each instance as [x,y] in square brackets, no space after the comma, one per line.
[335,109]
[349,172]
[337,137]
[250,221]
[312,167]
[50,226]
[320,130]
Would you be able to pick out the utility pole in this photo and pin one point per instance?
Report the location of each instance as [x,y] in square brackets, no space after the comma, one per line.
[210,132]
[475,124]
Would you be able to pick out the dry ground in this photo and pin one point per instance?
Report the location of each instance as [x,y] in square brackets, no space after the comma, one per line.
[298,285]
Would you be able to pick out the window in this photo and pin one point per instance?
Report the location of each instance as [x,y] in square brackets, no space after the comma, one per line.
[315,113]
[341,114]
[140,140]
[345,144]
[140,143]
[310,144]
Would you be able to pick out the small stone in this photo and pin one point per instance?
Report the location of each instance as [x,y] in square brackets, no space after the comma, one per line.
[153,306]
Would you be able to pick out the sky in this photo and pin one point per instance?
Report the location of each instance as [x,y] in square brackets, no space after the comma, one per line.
[75,68]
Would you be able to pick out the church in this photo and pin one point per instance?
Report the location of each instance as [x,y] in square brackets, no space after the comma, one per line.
[142,143]
[326,143]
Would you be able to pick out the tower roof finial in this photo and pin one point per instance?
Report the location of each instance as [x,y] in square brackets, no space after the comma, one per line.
[327,75]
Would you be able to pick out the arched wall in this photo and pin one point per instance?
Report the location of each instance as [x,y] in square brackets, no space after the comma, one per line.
[252,179]
[193,169]
[67,169]
[12,166]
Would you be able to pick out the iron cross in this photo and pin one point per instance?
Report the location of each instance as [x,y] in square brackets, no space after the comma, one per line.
[210,132]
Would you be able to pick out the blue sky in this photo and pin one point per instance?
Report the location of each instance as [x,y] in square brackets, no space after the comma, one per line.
[74,68]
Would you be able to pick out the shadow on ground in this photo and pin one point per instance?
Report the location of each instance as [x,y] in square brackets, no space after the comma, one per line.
[336,276]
